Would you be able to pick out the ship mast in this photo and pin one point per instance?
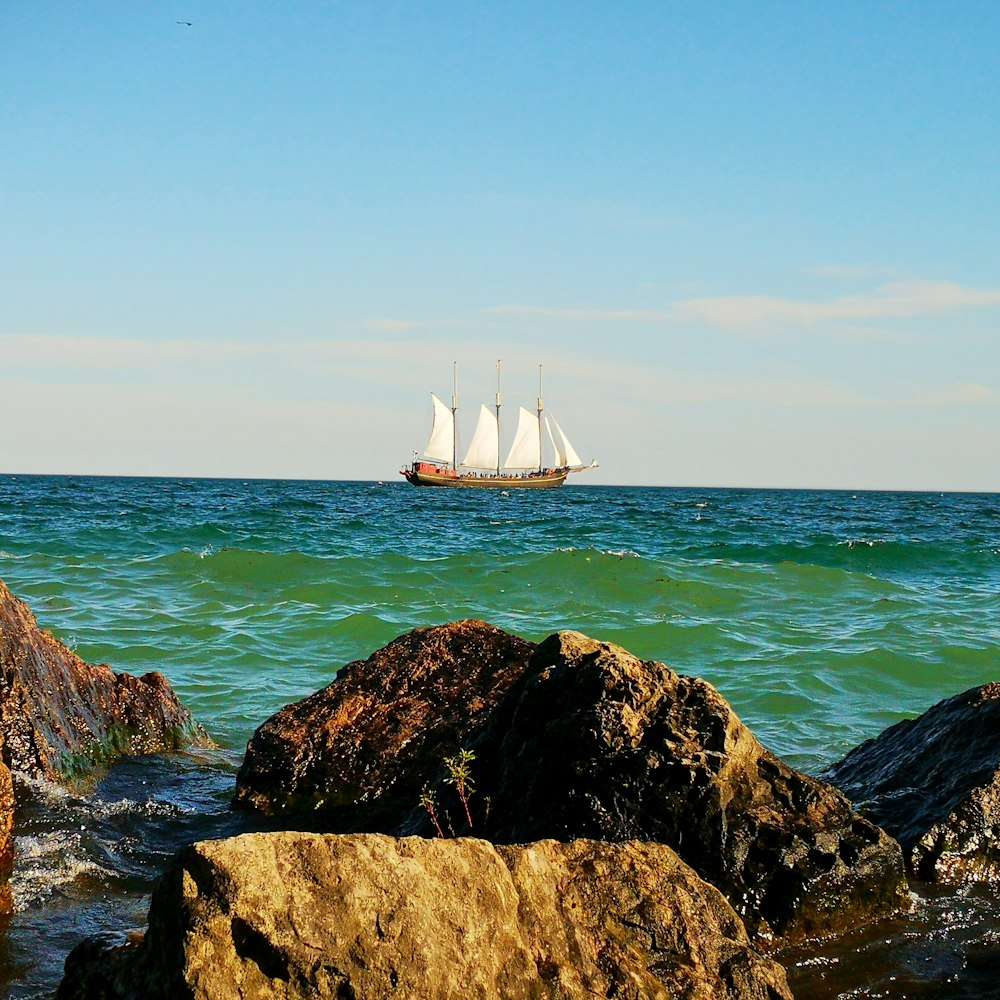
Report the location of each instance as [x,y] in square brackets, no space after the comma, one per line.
[454,415]
[541,406]
[499,402]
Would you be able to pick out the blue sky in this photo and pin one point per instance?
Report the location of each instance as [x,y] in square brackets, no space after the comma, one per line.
[751,243]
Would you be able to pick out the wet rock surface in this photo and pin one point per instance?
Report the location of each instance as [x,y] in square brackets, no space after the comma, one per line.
[933,783]
[60,716]
[305,915]
[355,755]
[587,741]
[6,837]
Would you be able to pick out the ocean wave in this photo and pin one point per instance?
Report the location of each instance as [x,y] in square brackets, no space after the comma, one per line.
[42,790]
[47,863]
[231,564]
[570,550]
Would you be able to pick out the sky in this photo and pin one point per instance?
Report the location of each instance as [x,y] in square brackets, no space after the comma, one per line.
[750,243]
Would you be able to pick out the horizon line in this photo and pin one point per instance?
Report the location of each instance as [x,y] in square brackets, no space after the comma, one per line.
[587,486]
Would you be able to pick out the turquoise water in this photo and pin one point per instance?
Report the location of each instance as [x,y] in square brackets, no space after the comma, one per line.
[822,616]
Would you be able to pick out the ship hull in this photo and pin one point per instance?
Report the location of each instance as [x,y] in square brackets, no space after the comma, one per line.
[548,480]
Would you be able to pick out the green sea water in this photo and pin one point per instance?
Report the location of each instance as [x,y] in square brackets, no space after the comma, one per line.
[822,616]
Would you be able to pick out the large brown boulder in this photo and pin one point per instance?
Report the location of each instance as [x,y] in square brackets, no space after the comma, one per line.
[60,716]
[370,739]
[587,741]
[367,916]
[934,784]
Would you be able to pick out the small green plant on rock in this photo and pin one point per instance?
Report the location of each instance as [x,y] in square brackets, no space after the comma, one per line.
[429,802]
[460,775]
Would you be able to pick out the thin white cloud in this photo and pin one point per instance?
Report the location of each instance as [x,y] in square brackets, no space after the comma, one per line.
[960,394]
[896,300]
[115,354]
[901,299]
[273,369]
[286,370]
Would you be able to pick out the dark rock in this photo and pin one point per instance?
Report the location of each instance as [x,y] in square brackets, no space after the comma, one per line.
[981,976]
[366,916]
[96,965]
[587,741]
[370,739]
[933,783]
[60,717]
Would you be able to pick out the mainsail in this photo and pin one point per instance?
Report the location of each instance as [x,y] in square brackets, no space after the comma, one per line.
[525,452]
[441,446]
[483,450]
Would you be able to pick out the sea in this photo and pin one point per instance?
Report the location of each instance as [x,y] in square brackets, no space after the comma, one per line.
[823,617]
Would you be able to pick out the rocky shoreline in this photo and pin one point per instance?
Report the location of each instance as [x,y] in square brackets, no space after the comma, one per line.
[466,813]
[61,719]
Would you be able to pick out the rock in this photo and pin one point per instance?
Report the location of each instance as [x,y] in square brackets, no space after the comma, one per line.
[6,840]
[293,915]
[587,741]
[593,742]
[96,965]
[933,783]
[370,739]
[60,716]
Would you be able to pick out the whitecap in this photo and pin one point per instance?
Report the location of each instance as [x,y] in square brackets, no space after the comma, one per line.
[41,788]
[151,807]
[46,863]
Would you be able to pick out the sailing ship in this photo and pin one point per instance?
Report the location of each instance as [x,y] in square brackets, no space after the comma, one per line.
[481,467]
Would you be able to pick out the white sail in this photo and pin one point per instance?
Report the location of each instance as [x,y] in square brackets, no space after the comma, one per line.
[560,460]
[525,452]
[566,453]
[483,451]
[441,446]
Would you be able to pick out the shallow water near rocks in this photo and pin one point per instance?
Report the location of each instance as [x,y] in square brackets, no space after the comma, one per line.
[947,947]
[822,616]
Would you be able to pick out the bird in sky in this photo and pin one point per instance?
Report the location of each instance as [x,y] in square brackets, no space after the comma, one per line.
[188,23]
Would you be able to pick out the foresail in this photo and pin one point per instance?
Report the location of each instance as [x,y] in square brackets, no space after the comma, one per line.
[483,451]
[560,461]
[525,452]
[441,446]
[568,457]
